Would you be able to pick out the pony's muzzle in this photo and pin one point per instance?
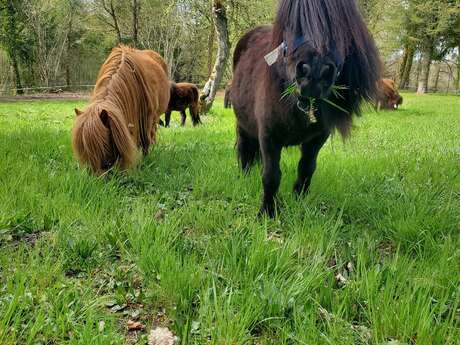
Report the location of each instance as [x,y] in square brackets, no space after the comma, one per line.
[316,81]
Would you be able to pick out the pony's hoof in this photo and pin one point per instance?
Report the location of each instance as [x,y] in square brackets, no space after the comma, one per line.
[267,210]
[301,190]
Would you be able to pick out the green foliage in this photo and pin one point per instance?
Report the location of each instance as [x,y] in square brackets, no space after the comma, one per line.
[179,236]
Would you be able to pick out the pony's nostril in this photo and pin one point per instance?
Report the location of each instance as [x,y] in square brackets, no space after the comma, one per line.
[303,70]
[326,72]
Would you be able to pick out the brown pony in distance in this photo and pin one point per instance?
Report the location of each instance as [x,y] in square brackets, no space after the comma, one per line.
[131,92]
[322,53]
[388,96]
[183,96]
[227,98]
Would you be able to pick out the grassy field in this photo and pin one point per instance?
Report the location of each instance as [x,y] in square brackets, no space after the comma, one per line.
[371,256]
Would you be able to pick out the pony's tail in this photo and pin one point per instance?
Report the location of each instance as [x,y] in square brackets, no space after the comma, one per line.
[196,94]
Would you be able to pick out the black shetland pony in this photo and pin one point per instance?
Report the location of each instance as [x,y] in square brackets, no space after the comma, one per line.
[296,82]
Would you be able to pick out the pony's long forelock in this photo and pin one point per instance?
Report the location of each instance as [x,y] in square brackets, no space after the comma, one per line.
[322,23]
[93,140]
[90,139]
[334,26]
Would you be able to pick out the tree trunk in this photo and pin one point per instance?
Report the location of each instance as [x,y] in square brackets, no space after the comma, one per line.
[406,67]
[17,77]
[136,10]
[221,26]
[403,65]
[69,50]
[436,76]
[417,72]
[457,79]
[110,9]
[12,43]
[425,70]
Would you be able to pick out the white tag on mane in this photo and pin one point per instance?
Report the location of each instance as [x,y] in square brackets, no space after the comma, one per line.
[274,55]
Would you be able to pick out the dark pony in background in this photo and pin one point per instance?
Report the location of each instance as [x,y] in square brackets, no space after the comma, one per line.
[227,96]
[131,92]
[298,81]
[388,97]
[183,96]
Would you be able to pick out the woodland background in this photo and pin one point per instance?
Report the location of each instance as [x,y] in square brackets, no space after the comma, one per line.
[47,45]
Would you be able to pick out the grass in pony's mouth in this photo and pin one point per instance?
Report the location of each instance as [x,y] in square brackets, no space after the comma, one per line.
[292,89]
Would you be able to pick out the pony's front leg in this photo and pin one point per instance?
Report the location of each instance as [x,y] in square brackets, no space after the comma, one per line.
[307,164]
[271,177]
[167,118]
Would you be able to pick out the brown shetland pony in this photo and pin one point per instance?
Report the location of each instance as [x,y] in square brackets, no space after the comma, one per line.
[388,96]
[183,96]
[323,54]
[132,91]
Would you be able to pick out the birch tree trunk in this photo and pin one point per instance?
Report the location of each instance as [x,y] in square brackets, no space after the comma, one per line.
[211,37]
[212,85]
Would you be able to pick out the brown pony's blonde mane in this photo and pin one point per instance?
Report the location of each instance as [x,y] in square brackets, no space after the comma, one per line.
[119,117]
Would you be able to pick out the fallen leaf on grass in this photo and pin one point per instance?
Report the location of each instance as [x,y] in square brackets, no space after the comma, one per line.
[118,308]
[195,327]
[160,215]
[101,326]
[393,342]
[363,333]
[274,237]
[162,336]
[341,280]
[135,326]
[350,267]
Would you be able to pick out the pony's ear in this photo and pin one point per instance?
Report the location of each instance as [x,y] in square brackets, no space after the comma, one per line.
[104,116]
[78,112]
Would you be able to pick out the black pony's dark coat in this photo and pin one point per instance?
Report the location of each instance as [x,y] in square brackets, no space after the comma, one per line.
[266,122]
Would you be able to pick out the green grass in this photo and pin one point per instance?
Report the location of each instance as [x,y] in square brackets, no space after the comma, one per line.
[177,242]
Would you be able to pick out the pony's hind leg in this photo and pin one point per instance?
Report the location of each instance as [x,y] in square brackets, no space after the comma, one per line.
[195,114]
[183,117]
[307,164]
[248,150]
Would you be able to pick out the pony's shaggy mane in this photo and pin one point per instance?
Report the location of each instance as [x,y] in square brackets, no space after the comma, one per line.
[118,120]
